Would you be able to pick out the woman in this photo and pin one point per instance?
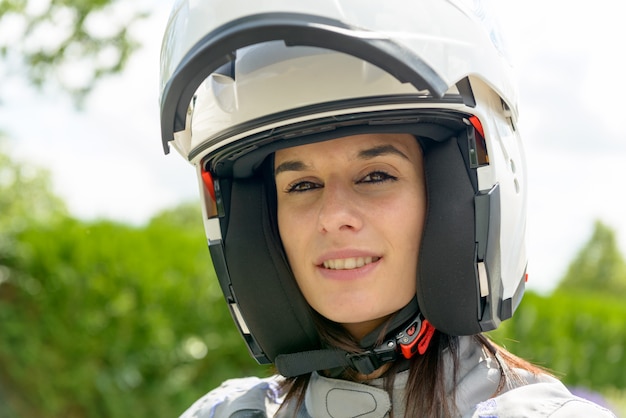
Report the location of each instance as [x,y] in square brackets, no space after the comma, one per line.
[364,200]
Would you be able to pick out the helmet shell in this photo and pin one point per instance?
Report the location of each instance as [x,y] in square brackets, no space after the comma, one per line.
[236,86]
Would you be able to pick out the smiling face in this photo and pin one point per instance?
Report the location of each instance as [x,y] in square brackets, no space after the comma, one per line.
[350,216]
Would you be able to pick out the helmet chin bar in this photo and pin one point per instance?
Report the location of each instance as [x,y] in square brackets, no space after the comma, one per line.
[218,48]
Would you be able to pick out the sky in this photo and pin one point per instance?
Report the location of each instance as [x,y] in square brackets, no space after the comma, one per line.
[107,161]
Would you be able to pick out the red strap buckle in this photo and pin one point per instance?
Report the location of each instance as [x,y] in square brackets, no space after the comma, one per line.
[415,338]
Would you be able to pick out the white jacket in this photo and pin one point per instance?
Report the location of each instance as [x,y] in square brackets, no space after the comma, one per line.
[478,377]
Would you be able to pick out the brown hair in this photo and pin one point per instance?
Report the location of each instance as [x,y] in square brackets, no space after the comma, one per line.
[426,393]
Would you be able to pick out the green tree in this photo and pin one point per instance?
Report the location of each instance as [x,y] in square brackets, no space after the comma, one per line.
[599,266]
[579,337]
[69,43]
[26,201]
[25,193]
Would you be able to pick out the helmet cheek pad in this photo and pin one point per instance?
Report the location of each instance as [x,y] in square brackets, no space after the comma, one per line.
[447,286]
[460,281]
[263,296]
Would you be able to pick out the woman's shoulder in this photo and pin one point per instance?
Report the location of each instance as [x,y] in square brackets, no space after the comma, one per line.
[247,395]
[548,398]
[528,391]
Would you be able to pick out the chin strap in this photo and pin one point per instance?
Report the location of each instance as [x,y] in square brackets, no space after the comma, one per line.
[413,337]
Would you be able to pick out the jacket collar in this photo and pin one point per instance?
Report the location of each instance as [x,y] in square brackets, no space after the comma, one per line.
[477,379]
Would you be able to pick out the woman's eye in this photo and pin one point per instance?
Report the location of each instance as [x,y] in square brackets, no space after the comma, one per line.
[301,186]
[377,177]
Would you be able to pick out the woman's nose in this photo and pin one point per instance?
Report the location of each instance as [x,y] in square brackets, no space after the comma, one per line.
[338,209]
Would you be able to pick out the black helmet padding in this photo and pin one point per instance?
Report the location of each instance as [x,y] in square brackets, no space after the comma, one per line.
[447,288]
[268,297]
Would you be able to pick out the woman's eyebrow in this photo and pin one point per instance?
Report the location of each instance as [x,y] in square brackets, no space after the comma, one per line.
[380,150]
[293,165]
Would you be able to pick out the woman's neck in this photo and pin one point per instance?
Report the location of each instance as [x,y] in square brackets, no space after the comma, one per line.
[359,330]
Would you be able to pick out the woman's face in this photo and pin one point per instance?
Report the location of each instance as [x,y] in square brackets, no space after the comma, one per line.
[350,216]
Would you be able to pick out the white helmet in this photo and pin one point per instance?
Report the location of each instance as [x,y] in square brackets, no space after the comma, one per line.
[241,79]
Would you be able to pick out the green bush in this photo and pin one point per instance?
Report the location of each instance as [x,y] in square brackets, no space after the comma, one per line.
[106,320]
[580,337]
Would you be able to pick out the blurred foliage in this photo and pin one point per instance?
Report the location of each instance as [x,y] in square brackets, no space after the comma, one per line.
[581,338]
[25,193]
[26,200]
[579,331]
[599,267]
[70,43]
[99,319]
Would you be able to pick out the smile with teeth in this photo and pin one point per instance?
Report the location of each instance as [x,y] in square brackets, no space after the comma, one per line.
[349,263]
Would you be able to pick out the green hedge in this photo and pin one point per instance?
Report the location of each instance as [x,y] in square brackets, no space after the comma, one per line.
[580,337]
[106,320]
